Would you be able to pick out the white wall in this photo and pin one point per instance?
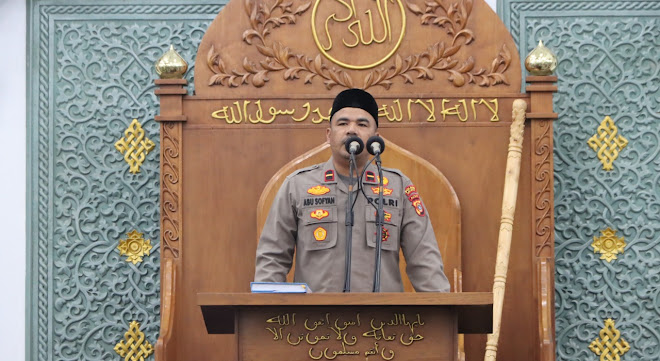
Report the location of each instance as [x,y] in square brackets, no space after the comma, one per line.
[12,177]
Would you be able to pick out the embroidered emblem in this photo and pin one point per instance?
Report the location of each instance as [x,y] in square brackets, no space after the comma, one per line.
[385,235]
[370,177]
[386,191]
[318,190]
[385,180]
[320,234]
[386,215]
[329,175]
[413,197]
[319,214]
[419,208]
[410,189]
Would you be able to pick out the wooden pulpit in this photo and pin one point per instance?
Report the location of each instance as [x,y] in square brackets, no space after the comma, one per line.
[446,75]
[405,326]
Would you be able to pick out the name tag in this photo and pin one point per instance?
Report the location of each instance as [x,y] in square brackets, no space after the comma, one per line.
[319,201]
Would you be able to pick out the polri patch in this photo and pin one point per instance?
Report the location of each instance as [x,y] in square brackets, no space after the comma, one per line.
[410,189]
[318,190]
[319,214]
[413,197]
[329,175]
[320,234]
[419,208]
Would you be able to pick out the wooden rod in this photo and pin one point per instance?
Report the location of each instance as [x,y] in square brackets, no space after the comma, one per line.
[506,223]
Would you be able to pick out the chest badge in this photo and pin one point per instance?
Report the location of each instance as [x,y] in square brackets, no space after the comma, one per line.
[318,190]
[385,235]
[320,234]
[385,180]
[319,214]
[386,215]
[386,191]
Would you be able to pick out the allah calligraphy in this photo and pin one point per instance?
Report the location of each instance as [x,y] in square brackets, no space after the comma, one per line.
[396,110]
[358,24]
[327,336]
[361,37]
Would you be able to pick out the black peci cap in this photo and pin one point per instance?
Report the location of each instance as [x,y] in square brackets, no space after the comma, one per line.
[355,98]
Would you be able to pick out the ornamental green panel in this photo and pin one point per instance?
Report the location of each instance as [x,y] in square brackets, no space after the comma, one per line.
[90,73]
[609,65]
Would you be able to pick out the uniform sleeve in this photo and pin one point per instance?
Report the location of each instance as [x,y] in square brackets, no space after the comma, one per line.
[278,238]
[420,248]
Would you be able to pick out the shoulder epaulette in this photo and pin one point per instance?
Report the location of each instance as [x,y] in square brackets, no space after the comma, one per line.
[392,170]
[306,169]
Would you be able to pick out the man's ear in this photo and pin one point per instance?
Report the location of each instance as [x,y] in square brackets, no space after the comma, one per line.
[327,135]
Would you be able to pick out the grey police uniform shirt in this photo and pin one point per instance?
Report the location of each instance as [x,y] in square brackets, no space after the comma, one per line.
[308,216]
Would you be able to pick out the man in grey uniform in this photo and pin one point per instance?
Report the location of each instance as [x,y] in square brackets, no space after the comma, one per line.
[307,215]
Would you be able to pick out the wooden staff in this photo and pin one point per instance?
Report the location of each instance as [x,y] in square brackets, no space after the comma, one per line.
[506,223]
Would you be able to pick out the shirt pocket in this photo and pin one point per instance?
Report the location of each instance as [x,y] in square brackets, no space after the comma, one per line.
[318,228]
[390,239]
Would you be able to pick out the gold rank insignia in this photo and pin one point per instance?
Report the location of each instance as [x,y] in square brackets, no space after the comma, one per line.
[385,180]
[318,190]
[320,234]
[370,177]
[386,191]
[329,175]
[319,214]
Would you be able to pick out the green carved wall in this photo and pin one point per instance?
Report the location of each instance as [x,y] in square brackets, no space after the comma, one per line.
[609,65]
[90,74]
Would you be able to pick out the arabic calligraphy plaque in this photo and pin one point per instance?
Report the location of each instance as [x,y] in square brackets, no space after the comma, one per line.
[385,333]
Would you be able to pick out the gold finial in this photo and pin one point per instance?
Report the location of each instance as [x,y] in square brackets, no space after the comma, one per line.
[171,65]
[541,60]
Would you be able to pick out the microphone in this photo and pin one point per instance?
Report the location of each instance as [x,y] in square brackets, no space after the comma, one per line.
[354,145]
[375,145]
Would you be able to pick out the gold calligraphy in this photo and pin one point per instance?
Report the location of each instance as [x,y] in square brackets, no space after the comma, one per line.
[327,336]
[359,27]
[393,111]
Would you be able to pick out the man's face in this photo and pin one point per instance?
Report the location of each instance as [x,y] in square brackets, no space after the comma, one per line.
[345,123]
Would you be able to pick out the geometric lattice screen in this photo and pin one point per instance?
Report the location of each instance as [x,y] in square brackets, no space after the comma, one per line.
[91,72]
[609,65]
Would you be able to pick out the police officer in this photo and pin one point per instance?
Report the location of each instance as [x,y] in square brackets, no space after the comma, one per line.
[307,215]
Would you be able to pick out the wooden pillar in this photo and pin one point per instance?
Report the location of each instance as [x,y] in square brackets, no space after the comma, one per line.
[541,116]
[171,118]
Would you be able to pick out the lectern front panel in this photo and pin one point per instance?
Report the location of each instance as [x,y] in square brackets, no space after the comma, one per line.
[357,333]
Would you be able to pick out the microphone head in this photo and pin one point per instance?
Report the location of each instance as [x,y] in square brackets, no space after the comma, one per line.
[375,145]
[354,145]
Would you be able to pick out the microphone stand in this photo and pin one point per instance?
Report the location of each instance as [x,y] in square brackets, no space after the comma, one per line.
[380,220]
[349,224]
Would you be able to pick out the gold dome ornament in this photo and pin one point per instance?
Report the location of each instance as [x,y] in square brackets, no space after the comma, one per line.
[541,60]
[171,65]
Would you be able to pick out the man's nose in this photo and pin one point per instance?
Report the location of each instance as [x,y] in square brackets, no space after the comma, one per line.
[352,128]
